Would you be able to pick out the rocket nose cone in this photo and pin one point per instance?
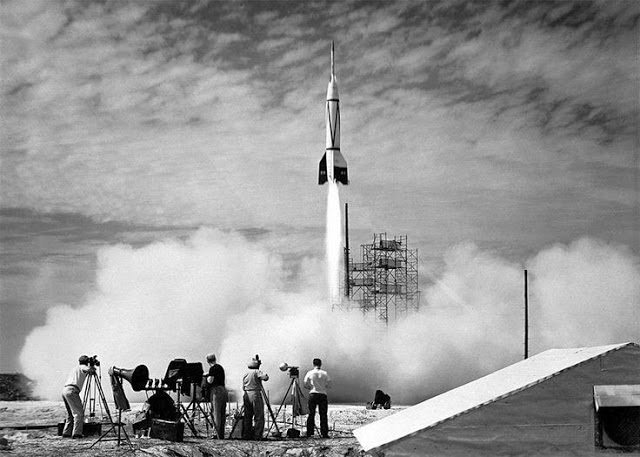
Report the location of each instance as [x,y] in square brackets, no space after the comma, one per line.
[332,89]
[332,66]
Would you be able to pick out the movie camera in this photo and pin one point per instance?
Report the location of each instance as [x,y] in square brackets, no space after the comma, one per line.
[186,378]
[294,372]
[298,402]
[93,361]
[183,373]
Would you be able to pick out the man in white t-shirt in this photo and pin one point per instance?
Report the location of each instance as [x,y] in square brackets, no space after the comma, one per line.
[71,397]
[318,382]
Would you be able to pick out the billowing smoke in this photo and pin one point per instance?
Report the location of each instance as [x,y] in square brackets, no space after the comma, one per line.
[219,292]
[587,293]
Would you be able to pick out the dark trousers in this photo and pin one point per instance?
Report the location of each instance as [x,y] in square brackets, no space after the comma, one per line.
[319,400]
[219,409]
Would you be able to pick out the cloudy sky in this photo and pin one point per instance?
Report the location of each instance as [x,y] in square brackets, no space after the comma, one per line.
[510,125]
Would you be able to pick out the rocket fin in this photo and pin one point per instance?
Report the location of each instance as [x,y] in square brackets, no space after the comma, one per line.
[340,168]
[322,170]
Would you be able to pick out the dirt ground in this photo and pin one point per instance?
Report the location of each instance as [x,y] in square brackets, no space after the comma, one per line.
[32,440]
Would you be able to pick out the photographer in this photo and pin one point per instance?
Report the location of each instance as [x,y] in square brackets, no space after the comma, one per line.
[71,396]
[253,402]
[217,394]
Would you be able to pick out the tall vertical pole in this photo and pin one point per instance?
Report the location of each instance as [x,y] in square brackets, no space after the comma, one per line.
[526,317]
[347,287]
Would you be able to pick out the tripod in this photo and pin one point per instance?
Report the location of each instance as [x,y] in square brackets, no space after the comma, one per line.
[92,386]
[240,416]
[296,404]
[116,385]
[189,412]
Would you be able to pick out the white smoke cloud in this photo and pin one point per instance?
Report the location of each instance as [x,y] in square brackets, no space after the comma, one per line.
[166,300]
[586,293]
[219,292]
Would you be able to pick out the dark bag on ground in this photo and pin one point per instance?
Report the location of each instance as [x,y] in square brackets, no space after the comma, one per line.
[167,430]
[381,400]
[160,405]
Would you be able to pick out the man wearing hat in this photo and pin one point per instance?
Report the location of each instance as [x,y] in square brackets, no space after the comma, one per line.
[218,394]
[253,422]
[71,397]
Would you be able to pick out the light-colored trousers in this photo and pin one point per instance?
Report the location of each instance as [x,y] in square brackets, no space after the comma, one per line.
[75,412]
[253,409]
[219,409]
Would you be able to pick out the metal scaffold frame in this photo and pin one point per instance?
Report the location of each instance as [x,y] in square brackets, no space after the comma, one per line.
[385,281]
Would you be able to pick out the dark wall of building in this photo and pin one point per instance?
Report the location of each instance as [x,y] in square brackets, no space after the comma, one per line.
[552,418]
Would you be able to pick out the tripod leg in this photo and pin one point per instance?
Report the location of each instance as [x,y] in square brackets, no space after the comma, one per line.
[284,399]
[185,415]
[266,400]
[120,425]
[103,399]
[118,438]
[296,404]
[209,419]
[113,426]
[85,398]
[124,430]
[206,417]
[235,422]
[184,412]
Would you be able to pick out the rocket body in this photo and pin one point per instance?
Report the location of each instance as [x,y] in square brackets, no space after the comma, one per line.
[332,166]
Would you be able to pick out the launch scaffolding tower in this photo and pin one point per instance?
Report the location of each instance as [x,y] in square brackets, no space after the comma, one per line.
[385,281]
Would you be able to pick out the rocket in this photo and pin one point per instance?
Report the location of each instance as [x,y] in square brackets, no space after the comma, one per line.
[332,167]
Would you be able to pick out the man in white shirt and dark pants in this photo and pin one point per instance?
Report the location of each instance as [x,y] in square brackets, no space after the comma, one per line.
[317,381]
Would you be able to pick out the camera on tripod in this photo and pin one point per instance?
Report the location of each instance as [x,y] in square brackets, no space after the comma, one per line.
[294,372]
[93,361]
[183,374]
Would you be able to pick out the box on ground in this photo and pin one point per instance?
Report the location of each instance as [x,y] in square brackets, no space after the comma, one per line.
[167,430]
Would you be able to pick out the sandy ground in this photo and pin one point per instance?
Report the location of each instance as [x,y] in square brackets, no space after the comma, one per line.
[34,441]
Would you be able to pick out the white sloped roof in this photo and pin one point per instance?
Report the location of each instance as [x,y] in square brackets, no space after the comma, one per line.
[482,391]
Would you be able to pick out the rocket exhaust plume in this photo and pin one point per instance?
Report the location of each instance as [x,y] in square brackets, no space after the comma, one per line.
[333,241]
